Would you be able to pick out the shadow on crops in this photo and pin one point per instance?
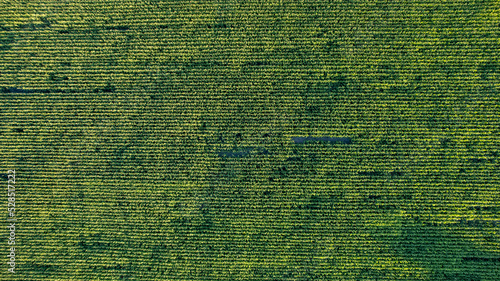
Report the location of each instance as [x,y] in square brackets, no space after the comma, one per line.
[6,42]
[108,88]
[299,140]
[15,90]
[448,257]
[486,69]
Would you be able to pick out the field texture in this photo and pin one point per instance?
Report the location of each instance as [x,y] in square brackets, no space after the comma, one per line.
[250,140]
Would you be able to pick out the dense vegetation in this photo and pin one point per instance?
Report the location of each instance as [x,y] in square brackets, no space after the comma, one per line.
[153,140]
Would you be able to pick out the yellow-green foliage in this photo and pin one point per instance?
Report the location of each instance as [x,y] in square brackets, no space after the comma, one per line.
[114,115]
